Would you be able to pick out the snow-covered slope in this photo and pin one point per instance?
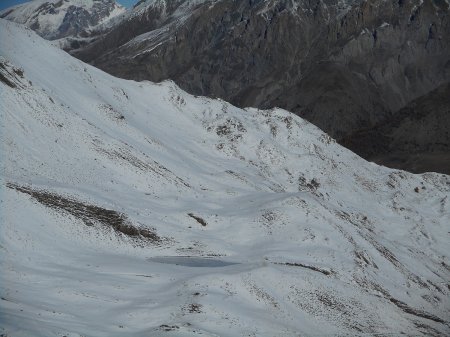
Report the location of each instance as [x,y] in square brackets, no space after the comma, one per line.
[107,184]
[55,19]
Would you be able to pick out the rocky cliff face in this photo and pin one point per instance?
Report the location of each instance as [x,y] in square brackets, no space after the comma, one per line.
[417,138]
[343,65]
[56,19]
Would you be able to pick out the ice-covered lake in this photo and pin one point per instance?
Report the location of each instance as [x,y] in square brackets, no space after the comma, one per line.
[192,261]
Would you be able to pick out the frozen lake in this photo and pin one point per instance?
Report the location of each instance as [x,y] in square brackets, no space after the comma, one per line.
[192,261]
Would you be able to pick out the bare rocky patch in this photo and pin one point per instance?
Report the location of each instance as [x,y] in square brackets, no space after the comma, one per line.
[142,163]
[301,265]
[200,220]
[416,312]
[11,76]
[364,283]
[166,327]
[112,113]
[193,308]
[91,215]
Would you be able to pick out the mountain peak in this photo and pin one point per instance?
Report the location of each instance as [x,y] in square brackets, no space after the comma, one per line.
[56,19]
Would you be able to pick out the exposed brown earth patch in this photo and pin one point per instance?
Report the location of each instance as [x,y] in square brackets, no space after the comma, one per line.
[91,214]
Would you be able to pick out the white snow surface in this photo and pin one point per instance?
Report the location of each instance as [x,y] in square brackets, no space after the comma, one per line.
[302,236]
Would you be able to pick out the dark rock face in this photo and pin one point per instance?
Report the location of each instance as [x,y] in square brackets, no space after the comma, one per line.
[343,70]
[417,138]
[144,19]
[56,19]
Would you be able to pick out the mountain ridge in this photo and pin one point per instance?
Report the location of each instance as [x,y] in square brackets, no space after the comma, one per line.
[57,19]
[371,26]
[346,66]
[344,69]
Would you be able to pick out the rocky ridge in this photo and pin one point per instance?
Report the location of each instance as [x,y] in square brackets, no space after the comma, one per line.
[56,19]
[344,66]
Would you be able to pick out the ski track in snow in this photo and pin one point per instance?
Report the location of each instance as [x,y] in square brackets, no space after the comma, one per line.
[303,237]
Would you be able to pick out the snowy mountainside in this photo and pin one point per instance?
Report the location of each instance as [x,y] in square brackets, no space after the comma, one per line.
[134,208]
[346,66]
[56,19]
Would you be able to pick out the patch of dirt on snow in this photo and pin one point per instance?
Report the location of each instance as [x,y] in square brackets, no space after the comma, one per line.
[91,214]
[301,265]
[200,220]
[11,76]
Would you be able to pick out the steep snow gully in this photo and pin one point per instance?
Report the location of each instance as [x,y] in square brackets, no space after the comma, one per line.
[133,208]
